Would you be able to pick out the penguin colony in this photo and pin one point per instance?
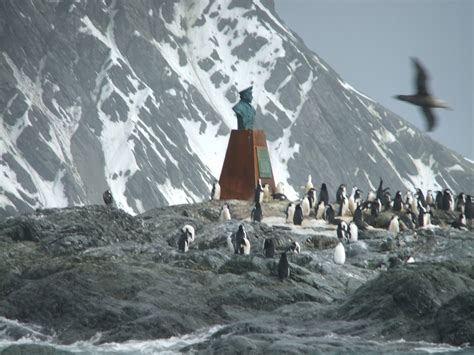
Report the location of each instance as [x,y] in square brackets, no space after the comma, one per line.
[408,211]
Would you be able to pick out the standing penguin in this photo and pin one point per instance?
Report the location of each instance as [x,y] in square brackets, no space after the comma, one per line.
[355,199]
[231,243]
[267,194]
[190,230]
[469,209]
[107,197]
[298,216]
[423,217]
[397,202]
[305,206]
[225,213]
[394,225]
[341,191]
[359,217]
[324,195]
[312,197]
[329,215]
[290,212]
[448,200]
[430,201]
[419,195]
[460,202]
[344,206]
[244,245]
[342,231]
[269,247]
[309,185]
[319,210]
[185,239]
[258,192]
[240,238]
[283,267]
[257,214]
[439,200]
[216,191]
[183,243]
[353,232]
[340,254]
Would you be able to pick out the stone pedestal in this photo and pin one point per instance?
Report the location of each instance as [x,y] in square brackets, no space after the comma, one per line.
[247,159]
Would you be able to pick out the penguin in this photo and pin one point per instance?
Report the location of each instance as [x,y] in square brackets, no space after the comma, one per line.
[439,200]
[414,204]
[382,194]
[256,214]
[329,215]
[448,200]
[353,232]
[267,194]
[290,212]
[387,201]
[190,230]
[231,243]
[419,195]
[340,193]
[280,192]
[394,225]
[339,254]
[298,216]
[371,196]
[397,202]
[319,210]
[183,242]
[469,209]
[108,198]
[342,231]
[258,192]
[423,220]
[460,223]
[269,248]
[309,185]
[283,267]
[243,246]
[359,218]
[344,206]
[429,198]
[305,206]
[324,195]
[422,97]
[216,191]
[312,197]
[460,202]
[354,199]
[225,213]
[240,238]
[294,248]
[375,208]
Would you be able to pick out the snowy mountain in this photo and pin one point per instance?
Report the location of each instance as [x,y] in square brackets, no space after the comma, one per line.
[136,96]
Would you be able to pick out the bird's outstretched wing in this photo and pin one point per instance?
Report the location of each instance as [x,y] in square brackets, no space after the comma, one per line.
[421,78]
[430,118]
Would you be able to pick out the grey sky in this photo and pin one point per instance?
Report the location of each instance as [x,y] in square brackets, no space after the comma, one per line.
[370,42]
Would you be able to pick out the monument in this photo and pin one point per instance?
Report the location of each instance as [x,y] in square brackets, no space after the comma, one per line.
[247,158]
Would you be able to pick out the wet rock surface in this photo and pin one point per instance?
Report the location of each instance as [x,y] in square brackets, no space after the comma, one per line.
[78,272]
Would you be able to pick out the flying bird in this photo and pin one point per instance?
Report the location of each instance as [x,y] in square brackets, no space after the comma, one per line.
[422,97]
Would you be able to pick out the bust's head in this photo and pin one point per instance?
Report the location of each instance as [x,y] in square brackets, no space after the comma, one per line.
[246,95]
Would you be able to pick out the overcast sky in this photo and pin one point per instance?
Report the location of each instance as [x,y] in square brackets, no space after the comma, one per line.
[370,42]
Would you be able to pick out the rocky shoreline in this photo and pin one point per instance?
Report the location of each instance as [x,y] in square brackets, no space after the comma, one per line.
[77,272]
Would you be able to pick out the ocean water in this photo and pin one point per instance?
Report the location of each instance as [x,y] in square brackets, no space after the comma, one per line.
[33,341]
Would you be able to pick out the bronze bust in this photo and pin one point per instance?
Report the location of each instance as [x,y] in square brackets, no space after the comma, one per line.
[244,111]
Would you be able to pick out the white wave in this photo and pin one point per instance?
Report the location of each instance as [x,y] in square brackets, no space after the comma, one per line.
[171,345]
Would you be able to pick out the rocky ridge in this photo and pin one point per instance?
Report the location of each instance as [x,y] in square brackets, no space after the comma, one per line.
[78,272]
